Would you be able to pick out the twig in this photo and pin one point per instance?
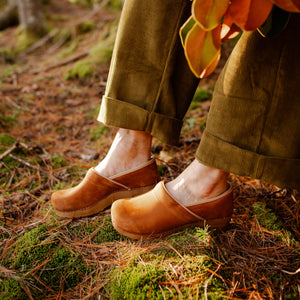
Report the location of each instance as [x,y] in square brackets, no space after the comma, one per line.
[27,164]
[10,150]
[291,273]
[62,63]
[41,42]
[9,274]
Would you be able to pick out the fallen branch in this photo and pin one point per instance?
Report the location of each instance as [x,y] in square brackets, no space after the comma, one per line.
[62,63]
[15,146]
[10,150]
[41,42]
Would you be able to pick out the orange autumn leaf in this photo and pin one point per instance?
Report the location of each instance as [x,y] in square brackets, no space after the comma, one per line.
[208,13]
[202,50]
[289,5]
[229,29]
[249,14]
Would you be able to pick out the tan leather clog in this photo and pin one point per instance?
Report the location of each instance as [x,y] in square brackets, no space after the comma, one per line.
[156,213]
[96,192]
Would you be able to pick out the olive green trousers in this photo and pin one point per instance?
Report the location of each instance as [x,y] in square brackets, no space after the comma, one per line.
[253,127]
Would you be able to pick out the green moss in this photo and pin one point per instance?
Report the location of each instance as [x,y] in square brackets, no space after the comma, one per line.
[6,72]
[202,123]
[7,121]
[202,95]
[138,281]
[25,39]
[63,270]
[82,69]
[6,140]
[268,219]
[152,279]
[11,289]
[107,233]
[115,5]
[7,56]
[99,54]
[92,114]
[29,249]
[86,26]
[69,50]
[97,132]
[265,217]
[101,231]
[64,267]
[58,161]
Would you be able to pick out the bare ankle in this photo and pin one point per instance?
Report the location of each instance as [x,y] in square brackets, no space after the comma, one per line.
[129,149]
[197,182]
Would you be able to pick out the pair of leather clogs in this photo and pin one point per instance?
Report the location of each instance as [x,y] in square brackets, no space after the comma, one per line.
[141,208]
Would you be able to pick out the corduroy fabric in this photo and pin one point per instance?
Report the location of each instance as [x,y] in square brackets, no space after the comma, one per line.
[253,125]
[150,85]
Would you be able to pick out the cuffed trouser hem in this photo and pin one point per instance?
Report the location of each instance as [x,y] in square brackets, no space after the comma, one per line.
[112,113]
[220,154]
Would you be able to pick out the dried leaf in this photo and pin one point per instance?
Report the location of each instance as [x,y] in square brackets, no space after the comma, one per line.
[202,50]
[208,13]
[249,14]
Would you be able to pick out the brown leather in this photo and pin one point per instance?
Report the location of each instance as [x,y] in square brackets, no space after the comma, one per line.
[156,213]
[95,188]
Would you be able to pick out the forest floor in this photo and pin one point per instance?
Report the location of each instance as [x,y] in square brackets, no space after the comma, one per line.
[49,138]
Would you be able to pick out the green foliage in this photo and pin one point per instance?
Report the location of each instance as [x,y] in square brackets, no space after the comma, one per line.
[203,234]
[58,161]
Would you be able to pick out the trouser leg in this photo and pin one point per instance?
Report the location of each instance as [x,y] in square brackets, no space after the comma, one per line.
[150,86]
[253,126]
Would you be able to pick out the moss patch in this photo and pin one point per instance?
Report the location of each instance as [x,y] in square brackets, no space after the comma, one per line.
[172,278]
[63,268]
[99,54]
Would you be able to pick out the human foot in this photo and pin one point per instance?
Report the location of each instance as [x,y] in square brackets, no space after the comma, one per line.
[197,183]
[128,150]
